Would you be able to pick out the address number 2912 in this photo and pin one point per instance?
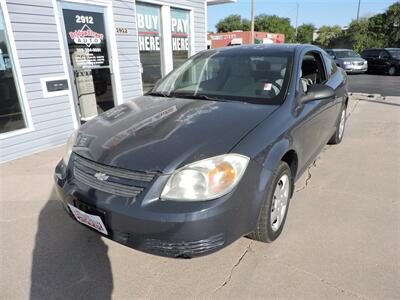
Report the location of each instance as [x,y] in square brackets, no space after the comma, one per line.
[84,19]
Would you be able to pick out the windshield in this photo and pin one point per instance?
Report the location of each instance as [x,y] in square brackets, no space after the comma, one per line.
[257,76]
[395,53]
[346,53]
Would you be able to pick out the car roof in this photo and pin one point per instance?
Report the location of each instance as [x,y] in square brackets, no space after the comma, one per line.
[337,49]
[375,49]
[272,47]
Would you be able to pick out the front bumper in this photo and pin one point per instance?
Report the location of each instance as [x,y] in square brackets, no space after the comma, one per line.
[355,68]
[168,228]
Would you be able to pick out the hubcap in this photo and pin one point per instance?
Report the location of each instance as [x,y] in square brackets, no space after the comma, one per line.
[392,70]
[280,202]
[342,123]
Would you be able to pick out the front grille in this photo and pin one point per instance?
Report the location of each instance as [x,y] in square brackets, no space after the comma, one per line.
[114,180]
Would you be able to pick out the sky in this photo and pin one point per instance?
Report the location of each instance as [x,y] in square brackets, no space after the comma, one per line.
[322,12]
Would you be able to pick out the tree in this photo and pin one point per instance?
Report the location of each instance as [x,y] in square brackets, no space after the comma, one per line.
[379,31]
[305,33]
[246,25]
[392,17]
[231,23]
[327,35]
[274,24]
[362,37]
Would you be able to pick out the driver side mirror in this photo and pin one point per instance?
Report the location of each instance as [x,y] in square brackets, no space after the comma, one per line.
[317,92]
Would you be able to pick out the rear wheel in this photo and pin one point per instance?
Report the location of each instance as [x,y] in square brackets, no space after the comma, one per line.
[275,207]
[338,135]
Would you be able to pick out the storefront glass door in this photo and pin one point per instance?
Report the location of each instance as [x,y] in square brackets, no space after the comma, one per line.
[90,67]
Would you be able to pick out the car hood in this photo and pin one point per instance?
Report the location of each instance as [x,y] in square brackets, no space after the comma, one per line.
[162,134]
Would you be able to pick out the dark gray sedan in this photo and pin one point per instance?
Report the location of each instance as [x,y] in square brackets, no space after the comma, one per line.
[211,154]
[349,60]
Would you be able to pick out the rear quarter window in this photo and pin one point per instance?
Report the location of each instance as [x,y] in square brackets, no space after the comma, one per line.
[330,64]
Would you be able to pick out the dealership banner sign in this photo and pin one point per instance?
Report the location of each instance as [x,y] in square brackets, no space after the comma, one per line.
[149,27]
[180,29]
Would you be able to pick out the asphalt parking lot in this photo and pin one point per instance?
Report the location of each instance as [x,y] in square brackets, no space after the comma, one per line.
[341,240]
[374,84]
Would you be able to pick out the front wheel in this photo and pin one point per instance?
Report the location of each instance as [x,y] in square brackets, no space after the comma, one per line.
[338,135]
[275,206]
[392,71]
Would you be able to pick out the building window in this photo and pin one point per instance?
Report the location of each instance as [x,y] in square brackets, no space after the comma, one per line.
[180,32]
[150,43]
[11,114]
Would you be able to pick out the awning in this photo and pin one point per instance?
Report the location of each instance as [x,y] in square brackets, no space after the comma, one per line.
[215,2]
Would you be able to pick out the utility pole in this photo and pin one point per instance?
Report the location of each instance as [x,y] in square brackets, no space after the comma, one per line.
[252,23]
[358,10]
[297,18]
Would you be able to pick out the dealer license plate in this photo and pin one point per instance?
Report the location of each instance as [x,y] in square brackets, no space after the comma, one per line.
[92,221]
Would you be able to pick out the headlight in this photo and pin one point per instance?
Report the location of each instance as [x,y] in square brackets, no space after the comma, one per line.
[206,179]
[68,147]
[347,62]
[365,62]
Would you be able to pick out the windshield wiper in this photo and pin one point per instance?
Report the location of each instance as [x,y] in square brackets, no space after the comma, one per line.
[159,94]
[200,96]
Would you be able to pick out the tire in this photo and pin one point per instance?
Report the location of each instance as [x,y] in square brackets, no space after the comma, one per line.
[268,226]
[340,127]
[392,70]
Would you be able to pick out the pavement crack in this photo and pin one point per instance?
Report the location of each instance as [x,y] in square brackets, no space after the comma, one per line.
[324,281]
[248,248]
[313,165]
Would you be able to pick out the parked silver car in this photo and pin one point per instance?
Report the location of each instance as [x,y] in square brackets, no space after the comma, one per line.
[349,60]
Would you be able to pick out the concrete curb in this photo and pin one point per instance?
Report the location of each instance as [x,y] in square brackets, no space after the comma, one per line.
[374,97]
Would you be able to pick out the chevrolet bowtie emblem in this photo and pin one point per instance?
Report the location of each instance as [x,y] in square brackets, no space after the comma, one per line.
[101,176]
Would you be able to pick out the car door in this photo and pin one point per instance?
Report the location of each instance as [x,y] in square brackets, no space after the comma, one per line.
[329,107]
[382,61]
[313,116]
[335,78]
[372,57]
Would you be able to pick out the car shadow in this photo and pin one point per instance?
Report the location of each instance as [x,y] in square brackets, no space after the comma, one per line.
[69,261]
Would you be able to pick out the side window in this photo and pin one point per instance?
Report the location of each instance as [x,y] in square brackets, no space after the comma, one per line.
[383,55]
[334,66]
[312,69]
[375,53]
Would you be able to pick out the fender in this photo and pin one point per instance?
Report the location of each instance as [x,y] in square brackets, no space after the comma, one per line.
[275,154]
[267,165]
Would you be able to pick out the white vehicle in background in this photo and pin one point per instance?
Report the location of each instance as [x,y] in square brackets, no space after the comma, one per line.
[348,60]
